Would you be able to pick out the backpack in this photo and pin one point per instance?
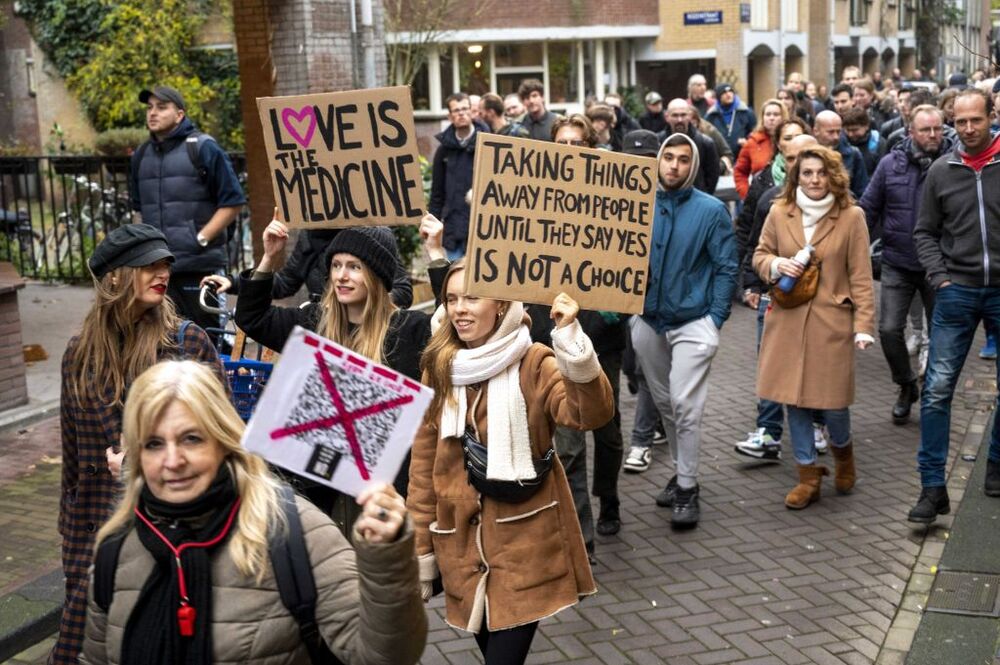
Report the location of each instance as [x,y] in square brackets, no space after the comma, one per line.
[292,572]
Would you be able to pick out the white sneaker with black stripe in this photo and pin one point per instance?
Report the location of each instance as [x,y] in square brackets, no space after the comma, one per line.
[638,459]
[760,445]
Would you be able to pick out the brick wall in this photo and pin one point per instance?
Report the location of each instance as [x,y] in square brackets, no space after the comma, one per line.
[549,13]
[13,387]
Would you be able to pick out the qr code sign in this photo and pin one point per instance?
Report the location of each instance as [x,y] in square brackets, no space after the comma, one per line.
[333,416]
[324,418]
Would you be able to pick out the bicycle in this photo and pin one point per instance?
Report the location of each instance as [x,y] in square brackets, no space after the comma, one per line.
[247,377]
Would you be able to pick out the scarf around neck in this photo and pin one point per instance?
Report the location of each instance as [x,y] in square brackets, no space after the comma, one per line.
[778,172]
[497,362]
[152,634]
[812,210]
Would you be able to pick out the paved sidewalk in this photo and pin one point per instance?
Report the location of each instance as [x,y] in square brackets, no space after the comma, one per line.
[753,584]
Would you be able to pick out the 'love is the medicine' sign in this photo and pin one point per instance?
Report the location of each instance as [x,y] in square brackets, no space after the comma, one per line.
[344,158]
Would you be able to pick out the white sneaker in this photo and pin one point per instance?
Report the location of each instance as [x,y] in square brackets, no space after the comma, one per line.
[819,438]
[761,445]
[637,460]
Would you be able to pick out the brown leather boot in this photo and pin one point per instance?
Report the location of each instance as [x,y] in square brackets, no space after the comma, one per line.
[807,491]
[844,475]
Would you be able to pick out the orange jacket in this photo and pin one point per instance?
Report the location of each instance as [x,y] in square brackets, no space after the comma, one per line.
[755,154]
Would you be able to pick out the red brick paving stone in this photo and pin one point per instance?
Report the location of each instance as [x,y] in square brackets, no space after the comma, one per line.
[839,567]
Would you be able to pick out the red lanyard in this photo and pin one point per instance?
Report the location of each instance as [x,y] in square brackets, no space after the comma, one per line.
[186,613]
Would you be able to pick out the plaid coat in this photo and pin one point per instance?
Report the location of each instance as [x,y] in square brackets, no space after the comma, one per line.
[89,426]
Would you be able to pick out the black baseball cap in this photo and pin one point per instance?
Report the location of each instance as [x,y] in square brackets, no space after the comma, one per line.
[641,142]
[132,245]
[164,92]
[722,89]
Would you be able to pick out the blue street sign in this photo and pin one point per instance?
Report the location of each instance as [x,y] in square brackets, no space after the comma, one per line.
[702,18]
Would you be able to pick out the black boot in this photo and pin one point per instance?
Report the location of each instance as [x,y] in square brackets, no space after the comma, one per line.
[908,394]
[933,501]
[609,522]
[992,485]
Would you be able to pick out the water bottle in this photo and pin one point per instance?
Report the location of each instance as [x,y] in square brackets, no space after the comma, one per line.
[787,282]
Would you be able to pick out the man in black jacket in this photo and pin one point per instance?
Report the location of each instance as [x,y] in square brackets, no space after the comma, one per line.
[653,119]
[679,121]
[451,176]
[183,184]
[956,243]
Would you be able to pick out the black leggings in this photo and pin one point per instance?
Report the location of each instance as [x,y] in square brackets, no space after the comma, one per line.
[506,647]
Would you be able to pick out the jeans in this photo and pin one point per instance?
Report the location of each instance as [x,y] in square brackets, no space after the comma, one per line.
[898,288]
[646,418]
[770,415]
[957,312]
[571,445]
[800,425]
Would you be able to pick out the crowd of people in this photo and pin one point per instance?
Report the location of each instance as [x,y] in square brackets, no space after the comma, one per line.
[179,544]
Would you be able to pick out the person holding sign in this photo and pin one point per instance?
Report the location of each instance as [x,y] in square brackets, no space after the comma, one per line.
[185,572]
[492,507]
[692,276]
[355,311]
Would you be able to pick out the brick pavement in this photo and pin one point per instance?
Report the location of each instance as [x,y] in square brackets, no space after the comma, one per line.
[753,584]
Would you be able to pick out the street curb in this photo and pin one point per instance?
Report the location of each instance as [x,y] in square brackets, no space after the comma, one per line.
[31,412]
[48,590]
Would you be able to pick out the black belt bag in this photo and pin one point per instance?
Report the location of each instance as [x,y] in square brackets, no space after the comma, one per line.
[507,491]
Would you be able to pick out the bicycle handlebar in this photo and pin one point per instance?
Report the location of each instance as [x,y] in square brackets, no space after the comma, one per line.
[209,288]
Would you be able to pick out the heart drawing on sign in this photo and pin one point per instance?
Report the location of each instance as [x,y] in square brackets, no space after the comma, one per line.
[304,117]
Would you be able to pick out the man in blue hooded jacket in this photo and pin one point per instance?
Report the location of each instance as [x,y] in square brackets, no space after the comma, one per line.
[692,276]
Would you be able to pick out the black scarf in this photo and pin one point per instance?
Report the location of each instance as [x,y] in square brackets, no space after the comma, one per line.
[152,634]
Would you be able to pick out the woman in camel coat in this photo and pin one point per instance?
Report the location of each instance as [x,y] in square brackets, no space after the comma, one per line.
[503,566]
[807,352]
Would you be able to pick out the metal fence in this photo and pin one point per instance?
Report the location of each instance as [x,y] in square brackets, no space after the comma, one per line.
[55,210]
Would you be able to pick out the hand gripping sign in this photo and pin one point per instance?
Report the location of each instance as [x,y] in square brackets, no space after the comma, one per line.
[335,417]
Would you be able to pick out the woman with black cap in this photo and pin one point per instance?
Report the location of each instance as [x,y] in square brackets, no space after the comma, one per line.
[130,326]
[355,311]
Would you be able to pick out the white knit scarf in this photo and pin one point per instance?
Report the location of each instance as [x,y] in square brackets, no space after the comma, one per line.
[813,210]
[498,362]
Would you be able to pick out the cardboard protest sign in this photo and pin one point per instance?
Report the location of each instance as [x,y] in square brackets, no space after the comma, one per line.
[343,158]
[548,218]
[335,417]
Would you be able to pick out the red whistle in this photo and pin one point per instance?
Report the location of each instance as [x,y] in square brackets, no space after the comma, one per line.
[185,620]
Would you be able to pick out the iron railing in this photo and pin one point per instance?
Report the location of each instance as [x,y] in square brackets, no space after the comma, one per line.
[55,210]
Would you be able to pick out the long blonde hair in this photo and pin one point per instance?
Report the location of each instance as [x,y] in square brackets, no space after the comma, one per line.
[198,388]
[113,347]
[435,363]
[368,338]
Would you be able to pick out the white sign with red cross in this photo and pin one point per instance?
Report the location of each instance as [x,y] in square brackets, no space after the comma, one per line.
[332,416]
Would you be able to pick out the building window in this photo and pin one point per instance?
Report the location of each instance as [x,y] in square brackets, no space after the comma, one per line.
[474,68]
[859,12]
[907,14]
[516,62]
[563,73]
